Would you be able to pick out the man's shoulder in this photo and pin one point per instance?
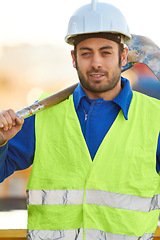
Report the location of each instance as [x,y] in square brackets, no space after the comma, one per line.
[145,97]
[145,101]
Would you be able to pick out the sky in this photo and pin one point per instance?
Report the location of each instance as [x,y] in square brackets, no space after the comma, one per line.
[46,21]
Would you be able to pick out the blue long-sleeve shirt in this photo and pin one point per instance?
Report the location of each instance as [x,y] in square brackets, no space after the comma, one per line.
[95,116]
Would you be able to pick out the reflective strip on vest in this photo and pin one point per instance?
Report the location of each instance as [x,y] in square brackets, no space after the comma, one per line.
[93,234]
[55,197]
[95,197]
[90,234]
[124,201]
[55,234]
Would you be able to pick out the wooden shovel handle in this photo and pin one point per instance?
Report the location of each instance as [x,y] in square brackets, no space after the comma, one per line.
[46,102]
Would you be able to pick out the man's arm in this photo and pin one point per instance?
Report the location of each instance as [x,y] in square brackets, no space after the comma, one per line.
[18,152]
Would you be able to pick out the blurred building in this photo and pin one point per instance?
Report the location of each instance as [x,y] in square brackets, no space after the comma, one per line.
[27,67]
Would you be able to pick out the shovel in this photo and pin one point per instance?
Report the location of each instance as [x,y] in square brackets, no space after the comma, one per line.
[141,50]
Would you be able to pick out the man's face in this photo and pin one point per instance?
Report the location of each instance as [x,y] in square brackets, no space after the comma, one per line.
[97,64]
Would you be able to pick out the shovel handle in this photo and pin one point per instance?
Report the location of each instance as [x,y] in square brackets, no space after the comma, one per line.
[46,102]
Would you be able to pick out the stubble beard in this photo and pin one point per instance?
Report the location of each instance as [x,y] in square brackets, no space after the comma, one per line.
[97,87]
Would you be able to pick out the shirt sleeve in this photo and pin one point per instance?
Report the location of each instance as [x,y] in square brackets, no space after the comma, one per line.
[18,153]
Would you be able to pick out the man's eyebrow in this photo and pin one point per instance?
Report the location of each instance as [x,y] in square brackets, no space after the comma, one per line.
[85,48]
[90,49]
[106,47]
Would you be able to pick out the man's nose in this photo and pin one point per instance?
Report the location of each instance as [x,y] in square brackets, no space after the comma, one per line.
[96,61]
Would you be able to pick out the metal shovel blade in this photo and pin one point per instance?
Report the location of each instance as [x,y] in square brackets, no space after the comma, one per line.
[144,50]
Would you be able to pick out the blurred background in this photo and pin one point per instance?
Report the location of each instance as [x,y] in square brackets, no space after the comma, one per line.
[34,58]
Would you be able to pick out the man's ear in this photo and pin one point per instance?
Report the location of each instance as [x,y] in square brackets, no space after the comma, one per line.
[73,59]
[124,56]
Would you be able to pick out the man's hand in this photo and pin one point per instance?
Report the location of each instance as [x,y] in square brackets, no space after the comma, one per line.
[10,125]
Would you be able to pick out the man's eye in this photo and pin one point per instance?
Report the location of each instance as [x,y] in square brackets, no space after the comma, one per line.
[106,53]
[85,54]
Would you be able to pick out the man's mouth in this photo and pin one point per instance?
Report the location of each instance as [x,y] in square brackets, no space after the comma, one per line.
[97,76]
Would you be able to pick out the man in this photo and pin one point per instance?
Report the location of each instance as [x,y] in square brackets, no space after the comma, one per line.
[95,155]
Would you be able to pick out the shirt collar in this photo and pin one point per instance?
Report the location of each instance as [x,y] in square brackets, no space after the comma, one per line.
[123,100]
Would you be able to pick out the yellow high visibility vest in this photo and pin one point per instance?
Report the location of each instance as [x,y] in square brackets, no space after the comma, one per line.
[113,197]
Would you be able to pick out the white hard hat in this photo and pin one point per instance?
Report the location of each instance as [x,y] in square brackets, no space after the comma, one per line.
[97,17]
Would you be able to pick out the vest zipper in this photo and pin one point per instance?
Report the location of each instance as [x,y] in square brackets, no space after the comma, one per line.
[86,114]
[85,117]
